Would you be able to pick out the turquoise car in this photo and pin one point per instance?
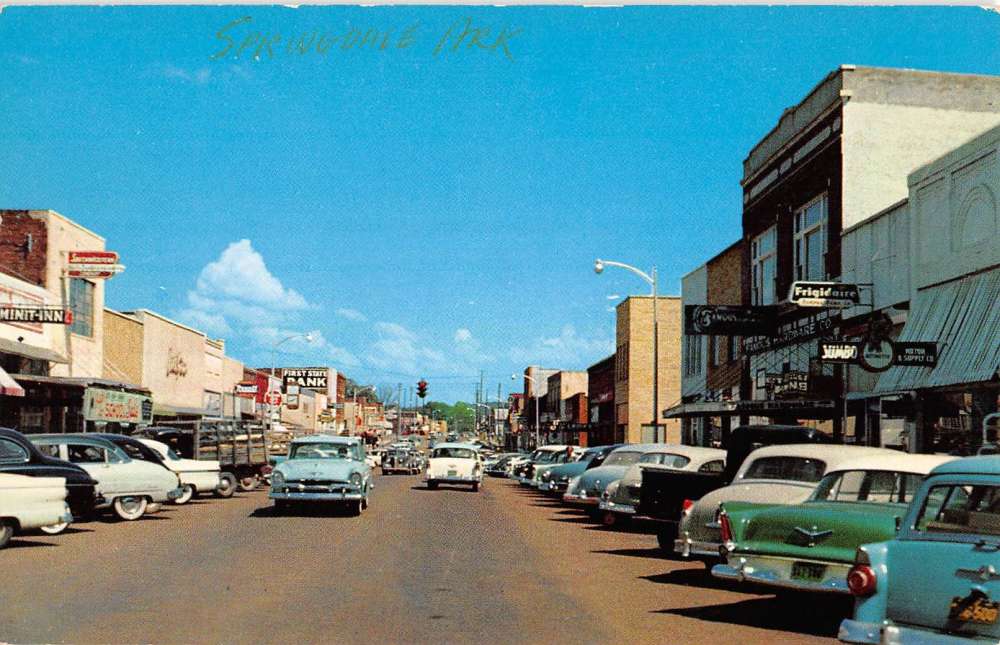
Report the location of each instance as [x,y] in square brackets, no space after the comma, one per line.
[939,580]
[323,469]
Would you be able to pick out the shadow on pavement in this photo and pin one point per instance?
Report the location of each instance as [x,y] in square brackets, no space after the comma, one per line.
[808,615]
[572,520]
[700,577]
[306,510]
[21,543]
[444,488]
[655,552]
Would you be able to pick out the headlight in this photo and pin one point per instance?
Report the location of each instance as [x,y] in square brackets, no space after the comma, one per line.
[572,485]
[277,479]
[357,479]
[564,478]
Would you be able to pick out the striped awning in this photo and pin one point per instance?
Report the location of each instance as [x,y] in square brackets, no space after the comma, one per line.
[8,386]
[963,318]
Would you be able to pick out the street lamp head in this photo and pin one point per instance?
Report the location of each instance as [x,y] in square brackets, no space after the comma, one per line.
[598,266]
[308,337]
[513,377]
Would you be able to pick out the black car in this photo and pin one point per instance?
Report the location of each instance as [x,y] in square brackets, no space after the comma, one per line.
[18,456]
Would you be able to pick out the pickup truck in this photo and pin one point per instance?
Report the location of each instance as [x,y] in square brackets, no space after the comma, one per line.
[666,492]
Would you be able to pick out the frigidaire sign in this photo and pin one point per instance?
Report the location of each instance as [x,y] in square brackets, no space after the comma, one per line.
[729,320]
[824,294]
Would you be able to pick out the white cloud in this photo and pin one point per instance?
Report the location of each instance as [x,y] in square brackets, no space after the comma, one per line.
[613,296]
[462,335]
[297,345]
[568,349]
[351,314]
[241,275]
[199,76]
[211,324]
[400,350]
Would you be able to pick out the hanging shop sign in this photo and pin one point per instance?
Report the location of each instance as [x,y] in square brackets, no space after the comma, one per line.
[876,354]
[824,294]
[93,264]
[39,314]
[246,389]
[794,332]
[791,384]
[915,354]
[292,396]
[839,351]
[729,320]
[115,406]
[314,378]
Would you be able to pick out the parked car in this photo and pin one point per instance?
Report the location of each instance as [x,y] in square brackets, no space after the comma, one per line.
[323,469]
[556,480]
[496,465]
[18,456]
[811,546]
[568,456]
[590,487]
[664,493]
[621,498]
[772,475]
[31,503]
[542,456]
[401,458]
[127,486]
[938,580]
[455,463]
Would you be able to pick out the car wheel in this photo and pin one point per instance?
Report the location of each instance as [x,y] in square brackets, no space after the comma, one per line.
[432,485]
[665,538]
[364,504]
[355,508]
[248,483]
[55,529]
[227,485]
[186,495]
[609,519]
[130,508]
[6,532]
[475,487]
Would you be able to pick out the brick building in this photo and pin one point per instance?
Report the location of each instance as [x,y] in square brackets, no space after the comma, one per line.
[601,429]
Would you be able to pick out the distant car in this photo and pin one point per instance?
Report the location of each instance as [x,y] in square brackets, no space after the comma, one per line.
[31,503]
[496,466]
[568,456]
[323,469]
[401,458]
[129,487]
[938,580]
[621,498]
[543,456]
[556,480]
[811,546]
[772,475]
[18,456]
[454,463]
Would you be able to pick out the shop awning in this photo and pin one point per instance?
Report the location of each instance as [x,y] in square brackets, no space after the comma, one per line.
[31,351]
[800,407]
[8,386]
[962,316]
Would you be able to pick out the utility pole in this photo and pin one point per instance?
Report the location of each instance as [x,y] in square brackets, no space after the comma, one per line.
[399,410]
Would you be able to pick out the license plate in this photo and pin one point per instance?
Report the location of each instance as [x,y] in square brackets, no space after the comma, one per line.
[808,571]
[453,473]
[974,610]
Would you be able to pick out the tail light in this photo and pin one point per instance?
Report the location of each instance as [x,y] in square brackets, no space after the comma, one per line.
[725,528]
[861,580]
[686,506]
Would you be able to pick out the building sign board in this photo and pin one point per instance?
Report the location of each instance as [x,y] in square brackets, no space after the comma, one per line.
[729,320]
[791,384]
[915,354]
[93,264]
[114,406]
[93,257]
[876,354]
[314,378]
[246,389]
[762,406]
[793,332]
[839,351]
[291,395]
[824,294]
[39,314]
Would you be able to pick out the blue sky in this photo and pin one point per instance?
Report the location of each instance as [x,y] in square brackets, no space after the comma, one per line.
[424,214]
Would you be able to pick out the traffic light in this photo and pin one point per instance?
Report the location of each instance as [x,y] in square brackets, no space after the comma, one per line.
[422,389]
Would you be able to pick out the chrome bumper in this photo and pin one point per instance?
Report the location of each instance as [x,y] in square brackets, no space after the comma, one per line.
[580,500]
[744,571]
[317,497]
[852,631]
[608,505]
[459,479]
[687,547]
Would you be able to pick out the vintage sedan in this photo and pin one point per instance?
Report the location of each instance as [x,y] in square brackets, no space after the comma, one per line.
[938,581]
[587,491]
[31,503]
[568,456]
[129,487]
[557,479]
[454,463]
[811,546]
[18,456]
[544,455]
[621,498]
[198,477]
[323,469]
[774,475]
[401,458]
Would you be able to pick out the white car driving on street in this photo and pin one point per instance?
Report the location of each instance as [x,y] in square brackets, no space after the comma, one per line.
[28,503]
[454,463]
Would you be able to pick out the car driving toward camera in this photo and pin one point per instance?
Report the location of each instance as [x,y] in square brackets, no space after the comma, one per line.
[323,469]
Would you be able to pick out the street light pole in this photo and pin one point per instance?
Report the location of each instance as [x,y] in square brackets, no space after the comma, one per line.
[274,351]
[650,278]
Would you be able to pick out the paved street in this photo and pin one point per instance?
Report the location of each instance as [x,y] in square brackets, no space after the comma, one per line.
[503,565]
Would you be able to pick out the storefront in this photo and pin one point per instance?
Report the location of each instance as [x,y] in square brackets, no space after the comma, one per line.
[68,404]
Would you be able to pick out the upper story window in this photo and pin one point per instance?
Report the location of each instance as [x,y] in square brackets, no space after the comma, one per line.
[810,240]
[621,363]
[692,355]
[81,301]
[763,267]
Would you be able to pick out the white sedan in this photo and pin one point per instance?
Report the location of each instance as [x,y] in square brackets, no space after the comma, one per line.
[31,503]
[454,463]
[196,476]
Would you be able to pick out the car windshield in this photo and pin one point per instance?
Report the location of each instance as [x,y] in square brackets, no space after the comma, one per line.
[320,451]
[622,458]
[797,469]
[877,486]
[957,508]
[454,453]
[171,455]
[547,457]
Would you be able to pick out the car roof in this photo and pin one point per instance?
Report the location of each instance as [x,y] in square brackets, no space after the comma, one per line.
[980,465]
[831,454]
[89,438]
[694,453]
[326,438]
[456,444]
[640,447]
[900,462]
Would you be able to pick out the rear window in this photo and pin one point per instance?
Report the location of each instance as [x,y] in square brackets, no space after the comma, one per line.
[669,460]
[961,509]
[877,486]
[622,458]
[454,453]
[799,469]
[714,466]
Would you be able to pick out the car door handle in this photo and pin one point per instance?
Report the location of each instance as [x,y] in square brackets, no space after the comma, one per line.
[985,573]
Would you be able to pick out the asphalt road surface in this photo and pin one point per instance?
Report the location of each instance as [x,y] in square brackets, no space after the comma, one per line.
[504,565]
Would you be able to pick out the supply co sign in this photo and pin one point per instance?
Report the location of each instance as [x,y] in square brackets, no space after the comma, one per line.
[824,294]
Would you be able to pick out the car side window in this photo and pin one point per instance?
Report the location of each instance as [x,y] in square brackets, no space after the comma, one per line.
[961,509]
[133,451]
[49,449]
[715,466]
[79,454]
[12,453]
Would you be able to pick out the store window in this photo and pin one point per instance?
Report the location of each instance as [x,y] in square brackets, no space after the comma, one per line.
[763,263]
[692,355]
[81,301]
[810,240]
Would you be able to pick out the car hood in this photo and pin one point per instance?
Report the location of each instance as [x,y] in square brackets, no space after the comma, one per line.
[597,479]
[569,470]
[338,469]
